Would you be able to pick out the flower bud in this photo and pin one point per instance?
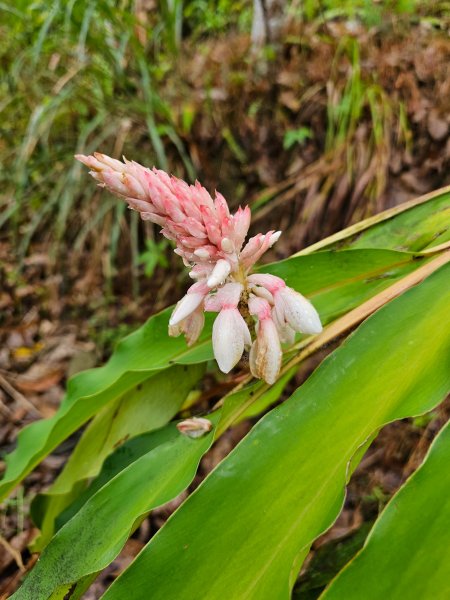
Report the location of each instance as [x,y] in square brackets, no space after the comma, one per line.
[265,354]
[298,312]
[219,274]
[195,427]
[229,337]
[188,303]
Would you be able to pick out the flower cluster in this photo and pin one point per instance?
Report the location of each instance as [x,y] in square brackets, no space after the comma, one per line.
[210,240]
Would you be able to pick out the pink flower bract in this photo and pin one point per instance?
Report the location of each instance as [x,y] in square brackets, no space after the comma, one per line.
[211,242]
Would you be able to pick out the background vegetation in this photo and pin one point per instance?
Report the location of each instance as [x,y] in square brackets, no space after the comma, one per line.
[324,122]
[342,116]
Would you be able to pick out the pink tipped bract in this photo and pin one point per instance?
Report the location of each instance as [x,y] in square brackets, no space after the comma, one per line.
[210,240]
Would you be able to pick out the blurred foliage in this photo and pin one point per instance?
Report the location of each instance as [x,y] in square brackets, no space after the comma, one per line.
[80,75]
[206,17]
[296,136]
[371,12]
[154,256]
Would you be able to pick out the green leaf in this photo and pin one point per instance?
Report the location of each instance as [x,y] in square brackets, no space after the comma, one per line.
[98,531]
[250,401]
[124,456]
[140,475]
[335,281]
[415,225]
[116,462]
[297,136]
[147,407]
[239,533]
[137,357]
[407,553]
[412,230]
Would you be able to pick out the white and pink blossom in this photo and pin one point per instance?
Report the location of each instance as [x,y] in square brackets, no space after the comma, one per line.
[211,242]
[195,427]
[265,353]
[191,326]
[291,307]
[230,335]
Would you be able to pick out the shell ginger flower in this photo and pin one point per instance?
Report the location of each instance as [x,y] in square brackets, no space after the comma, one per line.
[211,242]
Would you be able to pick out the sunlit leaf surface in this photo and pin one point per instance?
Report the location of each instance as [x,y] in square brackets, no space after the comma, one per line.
[239,533]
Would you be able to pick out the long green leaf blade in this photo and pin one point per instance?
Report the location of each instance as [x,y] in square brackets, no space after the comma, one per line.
[148,407]
[414,225]
[335,281]
[137,357]
[238,535]
[407,553]
[412,230]
[131,483]
[89,542]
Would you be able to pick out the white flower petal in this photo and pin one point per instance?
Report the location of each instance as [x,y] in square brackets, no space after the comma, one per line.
[259,307]
[252,360]
[274,238]
[193,326]
[285,331]
[299,312]
[227,296]
[202,253]
[200,271]
[213,303]
[228,338]
[185,307]
[270,282]
[227,245]
[279,310]
[195,427]
[220,273]
[267,351]
[230,294]
[262,292]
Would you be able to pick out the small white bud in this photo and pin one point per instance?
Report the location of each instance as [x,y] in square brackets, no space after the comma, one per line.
[195,427]
[227,245]
[219,274]
[299,313]
[202,253]
[263,292]
[185,307]
[274,238]
[229,336]
[266,354]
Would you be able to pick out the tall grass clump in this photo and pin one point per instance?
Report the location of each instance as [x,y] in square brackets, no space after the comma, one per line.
[78,75]
[83,75]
